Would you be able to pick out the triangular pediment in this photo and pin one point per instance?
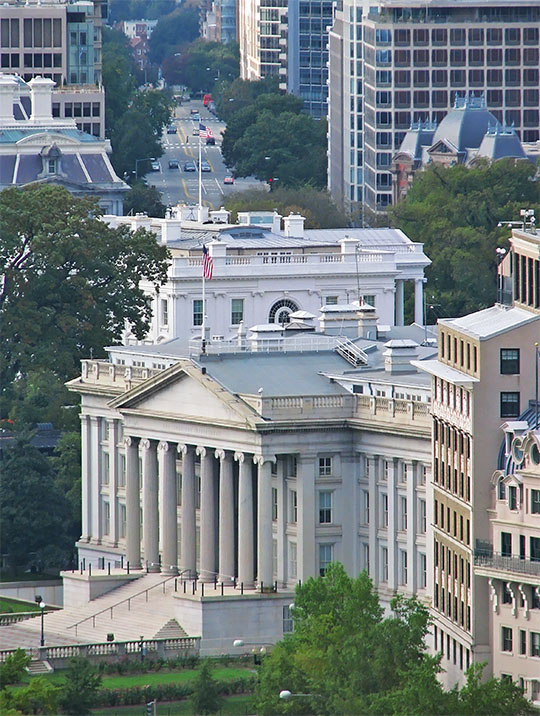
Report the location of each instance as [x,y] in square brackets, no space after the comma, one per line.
[443,147]
[183,392]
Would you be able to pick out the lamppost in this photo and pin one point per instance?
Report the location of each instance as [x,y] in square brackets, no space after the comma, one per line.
[141,648]
[42,607]
[285,695]
[146,159]
[262,650]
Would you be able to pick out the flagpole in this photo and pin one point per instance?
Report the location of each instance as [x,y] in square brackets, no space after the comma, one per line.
[200,177]
[203,327]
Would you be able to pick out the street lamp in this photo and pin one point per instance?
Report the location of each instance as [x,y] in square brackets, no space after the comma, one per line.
[42,607]
[285,695]
[146,159]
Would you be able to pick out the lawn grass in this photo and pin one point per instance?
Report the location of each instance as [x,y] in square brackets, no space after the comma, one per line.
[223,673]
[10,606]
[238,705]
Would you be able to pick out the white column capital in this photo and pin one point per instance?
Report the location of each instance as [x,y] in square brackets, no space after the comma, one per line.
[261,459]
[201,451]
[130,441]
[165,445]
[239,457]
[181,449]
[146,443]
[220,454]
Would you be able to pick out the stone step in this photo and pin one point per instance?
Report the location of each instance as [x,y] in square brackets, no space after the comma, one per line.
[36,667]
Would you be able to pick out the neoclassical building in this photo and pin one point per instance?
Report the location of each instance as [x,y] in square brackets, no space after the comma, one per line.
[267,267]
[260,467]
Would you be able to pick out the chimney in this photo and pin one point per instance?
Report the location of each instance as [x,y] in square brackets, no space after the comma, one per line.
[220,216]
[339,320]
[217,249]
[41,88]
[140,221]
[398,356]
[7,94]
[276,223]
[367,320]
[294,225]
[171,229]
[202,214]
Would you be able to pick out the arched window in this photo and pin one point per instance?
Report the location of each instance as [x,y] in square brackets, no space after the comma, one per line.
[279,313]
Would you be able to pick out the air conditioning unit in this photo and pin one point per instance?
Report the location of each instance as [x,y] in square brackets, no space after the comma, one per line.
[218,338]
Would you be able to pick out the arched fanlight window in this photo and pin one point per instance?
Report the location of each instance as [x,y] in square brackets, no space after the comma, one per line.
[279,313]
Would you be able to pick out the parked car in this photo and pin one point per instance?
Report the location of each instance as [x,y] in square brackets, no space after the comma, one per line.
[190,167]
[194,111]
[228,179]
[205,167]
[155,166]
[210,140]
[173,164]
[171,129]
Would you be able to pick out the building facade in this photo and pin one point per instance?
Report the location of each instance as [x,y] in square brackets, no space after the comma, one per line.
[481,378]
[262,272]
[61,41]
[393,64]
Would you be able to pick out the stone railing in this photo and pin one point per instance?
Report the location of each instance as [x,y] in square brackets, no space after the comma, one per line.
[393,410]
[121,377]
[59,656]
[504,563]
[14,617]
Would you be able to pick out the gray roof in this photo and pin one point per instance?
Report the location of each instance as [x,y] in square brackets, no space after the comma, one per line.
[97,168]
[465,126]
[416,137]
[491,321]
[7,164]
[501,143]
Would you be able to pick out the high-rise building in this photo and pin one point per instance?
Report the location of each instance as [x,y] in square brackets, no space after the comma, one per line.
[60,41]
[484,375]
[225,11]
[289,40]
[392,63]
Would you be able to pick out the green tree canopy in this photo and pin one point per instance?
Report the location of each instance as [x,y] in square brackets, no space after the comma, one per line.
[70,281]
[80,687]
[172,31]
[118,76]
[144,198]
[206,697]
[346,657]
[203,66]
[32,508]
[315,205]
[139,9]
[454,212]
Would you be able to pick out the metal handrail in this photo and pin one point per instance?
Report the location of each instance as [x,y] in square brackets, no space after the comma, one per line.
[127,599]
[506,562]
[350,351]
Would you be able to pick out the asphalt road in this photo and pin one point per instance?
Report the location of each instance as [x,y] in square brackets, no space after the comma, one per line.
[178,186]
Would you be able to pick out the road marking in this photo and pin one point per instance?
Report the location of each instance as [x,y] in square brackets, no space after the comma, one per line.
[186,192]
[219,186]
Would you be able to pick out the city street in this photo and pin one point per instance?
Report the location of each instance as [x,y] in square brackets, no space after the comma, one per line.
[178,186]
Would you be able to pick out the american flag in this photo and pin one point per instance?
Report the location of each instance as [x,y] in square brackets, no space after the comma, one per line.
[204,132]
[207,263]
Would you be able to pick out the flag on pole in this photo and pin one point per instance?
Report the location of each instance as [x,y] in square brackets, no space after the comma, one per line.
[204,132]
[207,263]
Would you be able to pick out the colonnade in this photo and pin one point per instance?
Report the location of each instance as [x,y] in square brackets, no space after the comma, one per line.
[220,551]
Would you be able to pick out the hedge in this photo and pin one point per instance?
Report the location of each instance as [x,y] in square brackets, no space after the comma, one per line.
[169,692]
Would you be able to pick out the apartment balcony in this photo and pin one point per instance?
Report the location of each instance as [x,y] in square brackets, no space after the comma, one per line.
[509,569]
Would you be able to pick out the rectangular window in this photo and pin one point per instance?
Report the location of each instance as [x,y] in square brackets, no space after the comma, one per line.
[384,564]
[274,557]
[422,522]
[535,502]
[237,311]
[365,506]
[331,300]
[325,507]
[164,312]
[106,518]
[122,521]
[274,503]
[292,560]
[522,642]
[402,566]
[535,643]
[506,544]
[121,470]
[506,639]
[512,498]
[287,619]
[509,402]
[384,510]
[403,513]
[325,466]
[293,506]
[423,572]
[326,557]
[197,312]
[509,361]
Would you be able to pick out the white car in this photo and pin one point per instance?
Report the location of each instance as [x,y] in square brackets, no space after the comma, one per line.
[155,166]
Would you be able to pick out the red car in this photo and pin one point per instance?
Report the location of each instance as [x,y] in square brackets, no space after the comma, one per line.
[228,180]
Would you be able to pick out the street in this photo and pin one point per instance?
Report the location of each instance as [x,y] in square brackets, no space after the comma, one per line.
[177,186]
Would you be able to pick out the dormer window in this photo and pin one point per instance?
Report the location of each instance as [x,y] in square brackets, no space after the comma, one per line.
[512,497]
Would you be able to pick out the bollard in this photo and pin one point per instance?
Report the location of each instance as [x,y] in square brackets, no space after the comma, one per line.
[241,587]
[185,587]
[146,566]
[262,587]
[81,567]
[202,589]
[176,584]
[193,587]
[121,561]
[215,582]
[234,582]
[128,567]
[109,568]
[221,588]
[89,569]
[84,563]
[275,586]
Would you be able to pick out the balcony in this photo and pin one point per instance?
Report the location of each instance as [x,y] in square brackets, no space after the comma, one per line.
[495,564]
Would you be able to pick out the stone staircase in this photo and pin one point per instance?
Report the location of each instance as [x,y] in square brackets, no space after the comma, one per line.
[37,667]
[143,607]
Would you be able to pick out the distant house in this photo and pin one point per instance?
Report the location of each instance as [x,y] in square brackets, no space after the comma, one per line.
[37,147]
[467,134]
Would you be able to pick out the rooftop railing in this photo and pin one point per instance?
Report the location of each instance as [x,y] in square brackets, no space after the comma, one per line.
[496,560]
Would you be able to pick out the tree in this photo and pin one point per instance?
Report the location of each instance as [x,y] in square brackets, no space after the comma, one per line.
[137,9]
[66,466]
[172,31]
[14,668]
[118,76]
[347,658]
[454,212]
[80,687]
[39,697]
[239,94]
[203,66]
[206,698]
[32,508]
[70,281]
[316,206]
[134,138]
[144,198]
[157,106]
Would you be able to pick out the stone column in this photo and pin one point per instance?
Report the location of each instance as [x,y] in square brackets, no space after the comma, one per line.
[245,522]
[150,505]
[189,559]
[281,523]
[400,317]
[86,478]
[372,464]
[264,520]
[94,482]
[305,487]
[170,520]
[412,527]
[207,516]
[113,480]
[133,516]
[393,549]
[226,517]
[419,301]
